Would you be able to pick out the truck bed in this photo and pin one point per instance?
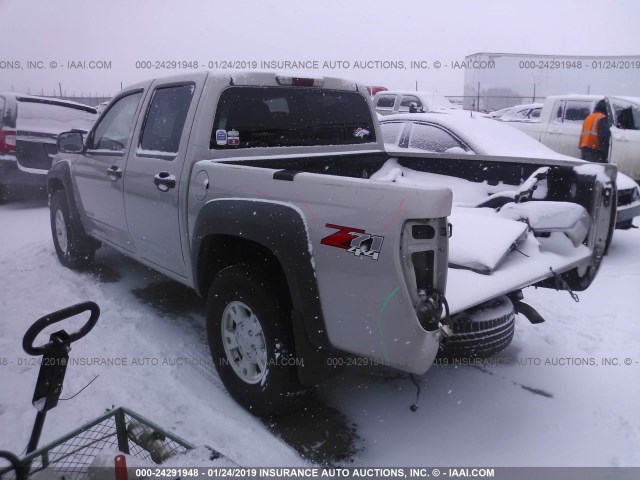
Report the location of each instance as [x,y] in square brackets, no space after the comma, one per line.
[471,180]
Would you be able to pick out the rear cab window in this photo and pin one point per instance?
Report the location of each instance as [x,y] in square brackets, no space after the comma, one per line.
[386,102]
[249,117]
[407,100]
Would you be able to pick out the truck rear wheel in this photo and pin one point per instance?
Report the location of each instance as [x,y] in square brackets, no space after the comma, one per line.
[481,331]
[251,341]
[74,249]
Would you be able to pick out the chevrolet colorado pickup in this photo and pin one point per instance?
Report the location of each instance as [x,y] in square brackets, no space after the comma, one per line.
[273,197]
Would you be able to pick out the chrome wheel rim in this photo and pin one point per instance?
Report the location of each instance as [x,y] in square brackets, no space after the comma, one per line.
[244,343]
[61,231]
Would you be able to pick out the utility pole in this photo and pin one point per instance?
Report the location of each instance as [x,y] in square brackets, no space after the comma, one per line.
[60,88]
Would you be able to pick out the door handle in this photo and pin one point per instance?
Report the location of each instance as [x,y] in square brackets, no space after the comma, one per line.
[554,130]
[114,173]
[164,181]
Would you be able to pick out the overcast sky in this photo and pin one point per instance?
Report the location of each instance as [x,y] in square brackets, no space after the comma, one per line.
[124,31]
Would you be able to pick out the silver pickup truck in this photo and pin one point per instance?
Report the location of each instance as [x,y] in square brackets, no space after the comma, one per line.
[272,196]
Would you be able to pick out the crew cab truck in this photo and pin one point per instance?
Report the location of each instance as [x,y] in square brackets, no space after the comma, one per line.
[260,191]
[561,122]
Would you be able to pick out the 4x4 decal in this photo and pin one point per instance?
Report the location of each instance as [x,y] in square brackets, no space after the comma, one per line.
[354,240]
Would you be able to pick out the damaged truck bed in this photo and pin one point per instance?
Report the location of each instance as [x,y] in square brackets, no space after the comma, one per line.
[515,222]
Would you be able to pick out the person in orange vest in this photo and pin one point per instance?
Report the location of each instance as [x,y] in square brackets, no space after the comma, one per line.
[595,136]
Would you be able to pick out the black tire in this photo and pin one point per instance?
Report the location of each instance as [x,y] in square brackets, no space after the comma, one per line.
[277,387]
[78,250]
[481,331]
[626,225]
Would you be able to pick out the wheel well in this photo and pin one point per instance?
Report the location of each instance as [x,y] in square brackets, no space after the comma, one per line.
[220,251]
[54,184]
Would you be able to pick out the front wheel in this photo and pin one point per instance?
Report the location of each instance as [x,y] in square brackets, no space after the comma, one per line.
[74,249]
[251,341]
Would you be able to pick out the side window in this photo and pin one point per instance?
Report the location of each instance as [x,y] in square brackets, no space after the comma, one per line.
[559,111]
[406,102]
[165,119]
[577,111]
[627,114]
[391,132]
[1,110]
[386,101]
[433,139]
[115,128]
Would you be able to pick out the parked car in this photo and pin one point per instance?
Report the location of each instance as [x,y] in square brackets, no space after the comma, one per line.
[29,127]
[391,102]
[561,121]
[528,112]
[258,191]
[451,134]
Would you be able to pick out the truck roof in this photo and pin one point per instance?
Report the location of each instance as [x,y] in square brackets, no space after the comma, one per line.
[267,79]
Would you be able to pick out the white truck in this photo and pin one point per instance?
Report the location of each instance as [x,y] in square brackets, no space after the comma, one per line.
[273,197]
[560,125]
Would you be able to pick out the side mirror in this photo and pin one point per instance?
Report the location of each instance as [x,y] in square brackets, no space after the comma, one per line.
[71,142]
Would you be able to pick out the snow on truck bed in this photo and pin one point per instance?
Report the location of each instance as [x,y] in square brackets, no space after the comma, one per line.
[494,251]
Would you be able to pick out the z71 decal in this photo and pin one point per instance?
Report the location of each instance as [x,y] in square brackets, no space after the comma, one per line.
[354,240]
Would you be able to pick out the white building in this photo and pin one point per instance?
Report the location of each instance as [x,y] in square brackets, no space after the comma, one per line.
[498,80]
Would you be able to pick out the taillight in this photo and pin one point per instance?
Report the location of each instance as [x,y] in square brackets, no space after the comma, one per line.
[424,251]
[7,141]
[300,82]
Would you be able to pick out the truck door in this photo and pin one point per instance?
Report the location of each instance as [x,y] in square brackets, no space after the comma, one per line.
[563,133]
[98,172]
[154,191]
[625,137]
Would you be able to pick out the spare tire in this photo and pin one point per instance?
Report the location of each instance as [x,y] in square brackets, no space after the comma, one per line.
[480,331]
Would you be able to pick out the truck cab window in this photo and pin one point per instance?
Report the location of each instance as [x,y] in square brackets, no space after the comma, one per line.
[164,121]
[627,114]
[115,128]
[577,110]
[386,101]
[407,100]
[249,117]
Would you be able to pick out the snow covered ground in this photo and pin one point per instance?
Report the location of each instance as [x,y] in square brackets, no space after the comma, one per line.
[548,400]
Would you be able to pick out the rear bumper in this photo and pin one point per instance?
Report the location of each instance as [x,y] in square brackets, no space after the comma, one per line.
[12,175]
